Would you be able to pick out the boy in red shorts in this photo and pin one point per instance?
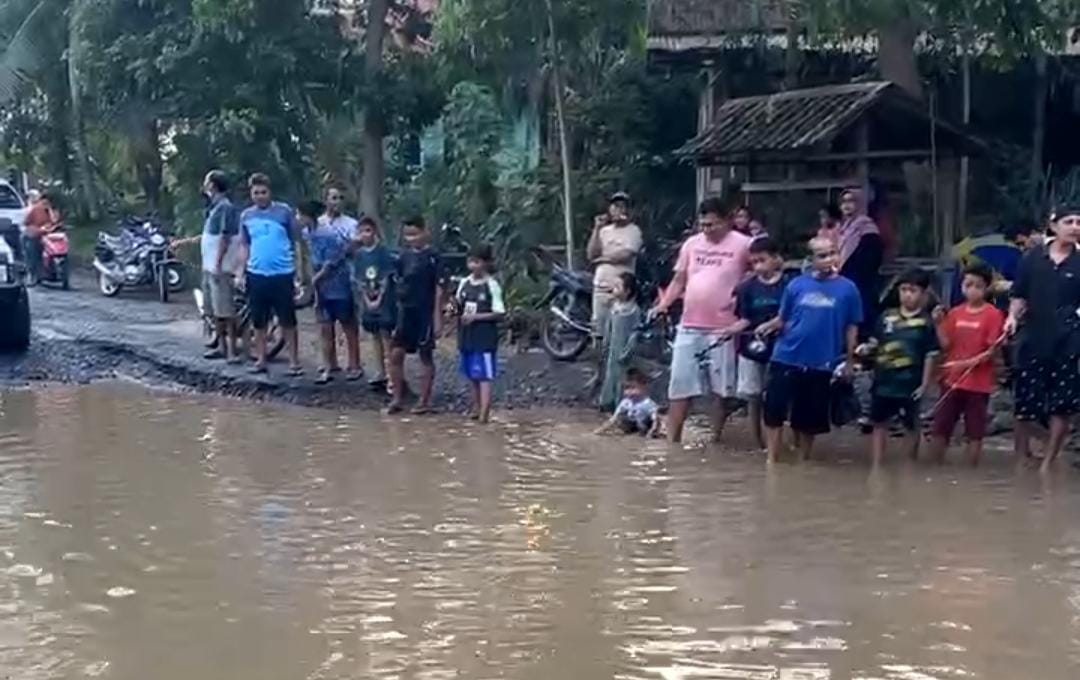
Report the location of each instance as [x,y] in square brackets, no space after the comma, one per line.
[969,335]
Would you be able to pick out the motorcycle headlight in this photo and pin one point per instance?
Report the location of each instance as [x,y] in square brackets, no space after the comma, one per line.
[157,240]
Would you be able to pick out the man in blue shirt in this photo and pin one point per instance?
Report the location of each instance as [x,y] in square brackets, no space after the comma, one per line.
[269,245]
[820,313]
[329,237]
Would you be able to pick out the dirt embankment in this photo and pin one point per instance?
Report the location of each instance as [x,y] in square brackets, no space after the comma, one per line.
[81,336]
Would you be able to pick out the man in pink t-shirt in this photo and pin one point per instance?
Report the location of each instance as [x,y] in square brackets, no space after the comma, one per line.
[710,265]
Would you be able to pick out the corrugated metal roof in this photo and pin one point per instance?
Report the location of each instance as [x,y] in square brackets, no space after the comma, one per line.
[798,120]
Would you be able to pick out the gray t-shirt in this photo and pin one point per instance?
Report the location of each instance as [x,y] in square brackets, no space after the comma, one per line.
[222,220]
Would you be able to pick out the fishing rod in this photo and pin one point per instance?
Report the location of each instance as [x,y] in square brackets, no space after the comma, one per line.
[967,373]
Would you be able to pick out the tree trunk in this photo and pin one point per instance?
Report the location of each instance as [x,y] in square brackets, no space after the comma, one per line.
[564,149]
[1038,135]
[792,56]
[88,205]
[965,162]
[896,55]
[372,183]
[897,63]
[149,166]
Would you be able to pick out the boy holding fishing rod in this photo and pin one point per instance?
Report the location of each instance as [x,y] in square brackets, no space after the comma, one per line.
[970,335]
[905,345]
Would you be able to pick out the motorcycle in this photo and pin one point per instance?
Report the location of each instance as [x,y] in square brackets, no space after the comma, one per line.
[567,324]
[55,267]
[140,255]
[245,332]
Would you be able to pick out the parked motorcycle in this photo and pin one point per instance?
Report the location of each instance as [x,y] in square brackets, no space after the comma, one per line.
[55,267]
[140,255]
[567,323]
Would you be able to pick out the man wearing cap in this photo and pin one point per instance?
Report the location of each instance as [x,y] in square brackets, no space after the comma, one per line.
[613,247]
[1045,310]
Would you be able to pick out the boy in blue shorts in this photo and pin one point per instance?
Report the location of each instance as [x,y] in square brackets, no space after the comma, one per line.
[479,300]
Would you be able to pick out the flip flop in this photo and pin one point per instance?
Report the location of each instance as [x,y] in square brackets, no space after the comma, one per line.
[295,371]
[421,411]
[213,354]
[258,370]
[353,376]
[233,361]
[394,409]
[324,377]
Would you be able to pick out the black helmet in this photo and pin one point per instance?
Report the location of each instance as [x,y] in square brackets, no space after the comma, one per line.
[619,196]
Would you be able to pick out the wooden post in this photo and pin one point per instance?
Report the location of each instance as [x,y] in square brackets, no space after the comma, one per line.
[863,146]
[564,148]
[1038,136]
[962,199]
[706,112]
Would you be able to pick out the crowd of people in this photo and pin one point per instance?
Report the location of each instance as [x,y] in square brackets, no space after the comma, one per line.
[358,281]
[750,329]
[788,343]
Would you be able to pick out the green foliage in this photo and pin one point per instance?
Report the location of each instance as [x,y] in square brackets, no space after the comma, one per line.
[167,89]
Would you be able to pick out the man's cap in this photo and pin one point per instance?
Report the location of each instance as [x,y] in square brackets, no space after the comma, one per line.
[619,196]
[1065,209]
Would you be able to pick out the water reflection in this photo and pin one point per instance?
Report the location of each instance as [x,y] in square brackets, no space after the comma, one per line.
[148,535]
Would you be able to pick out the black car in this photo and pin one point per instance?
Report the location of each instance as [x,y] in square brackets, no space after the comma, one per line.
[14,300]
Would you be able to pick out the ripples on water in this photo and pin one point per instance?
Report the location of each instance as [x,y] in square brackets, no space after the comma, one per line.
[154,536]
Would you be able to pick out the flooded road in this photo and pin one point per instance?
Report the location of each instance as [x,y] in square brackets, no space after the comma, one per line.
[146,535]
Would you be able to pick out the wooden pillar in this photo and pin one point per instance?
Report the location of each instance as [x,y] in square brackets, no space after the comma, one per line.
[706,111]
[862,142]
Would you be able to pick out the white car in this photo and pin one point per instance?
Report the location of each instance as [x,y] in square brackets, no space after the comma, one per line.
[12,205]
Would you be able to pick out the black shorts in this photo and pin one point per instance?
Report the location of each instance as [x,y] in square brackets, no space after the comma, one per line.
[415,332]
[884,409]
[798,395]
[1047,387]
[340,311]
[378,321]
[271,295]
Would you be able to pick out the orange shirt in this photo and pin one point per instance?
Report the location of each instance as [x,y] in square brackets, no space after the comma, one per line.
[971,332]
[38,218]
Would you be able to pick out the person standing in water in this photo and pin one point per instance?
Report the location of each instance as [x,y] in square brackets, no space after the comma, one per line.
[620,339]
[1045,312]
[711,265]
[479,301]
[820,313]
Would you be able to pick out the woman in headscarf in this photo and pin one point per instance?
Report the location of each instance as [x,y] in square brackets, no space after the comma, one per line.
[861,253]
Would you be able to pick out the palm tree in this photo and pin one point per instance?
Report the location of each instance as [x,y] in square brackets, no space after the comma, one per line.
[28,61]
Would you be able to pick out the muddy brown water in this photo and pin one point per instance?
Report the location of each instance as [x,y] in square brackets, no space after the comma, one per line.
[148,535]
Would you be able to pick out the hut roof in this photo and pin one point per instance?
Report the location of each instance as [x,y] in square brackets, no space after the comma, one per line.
[789,125]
